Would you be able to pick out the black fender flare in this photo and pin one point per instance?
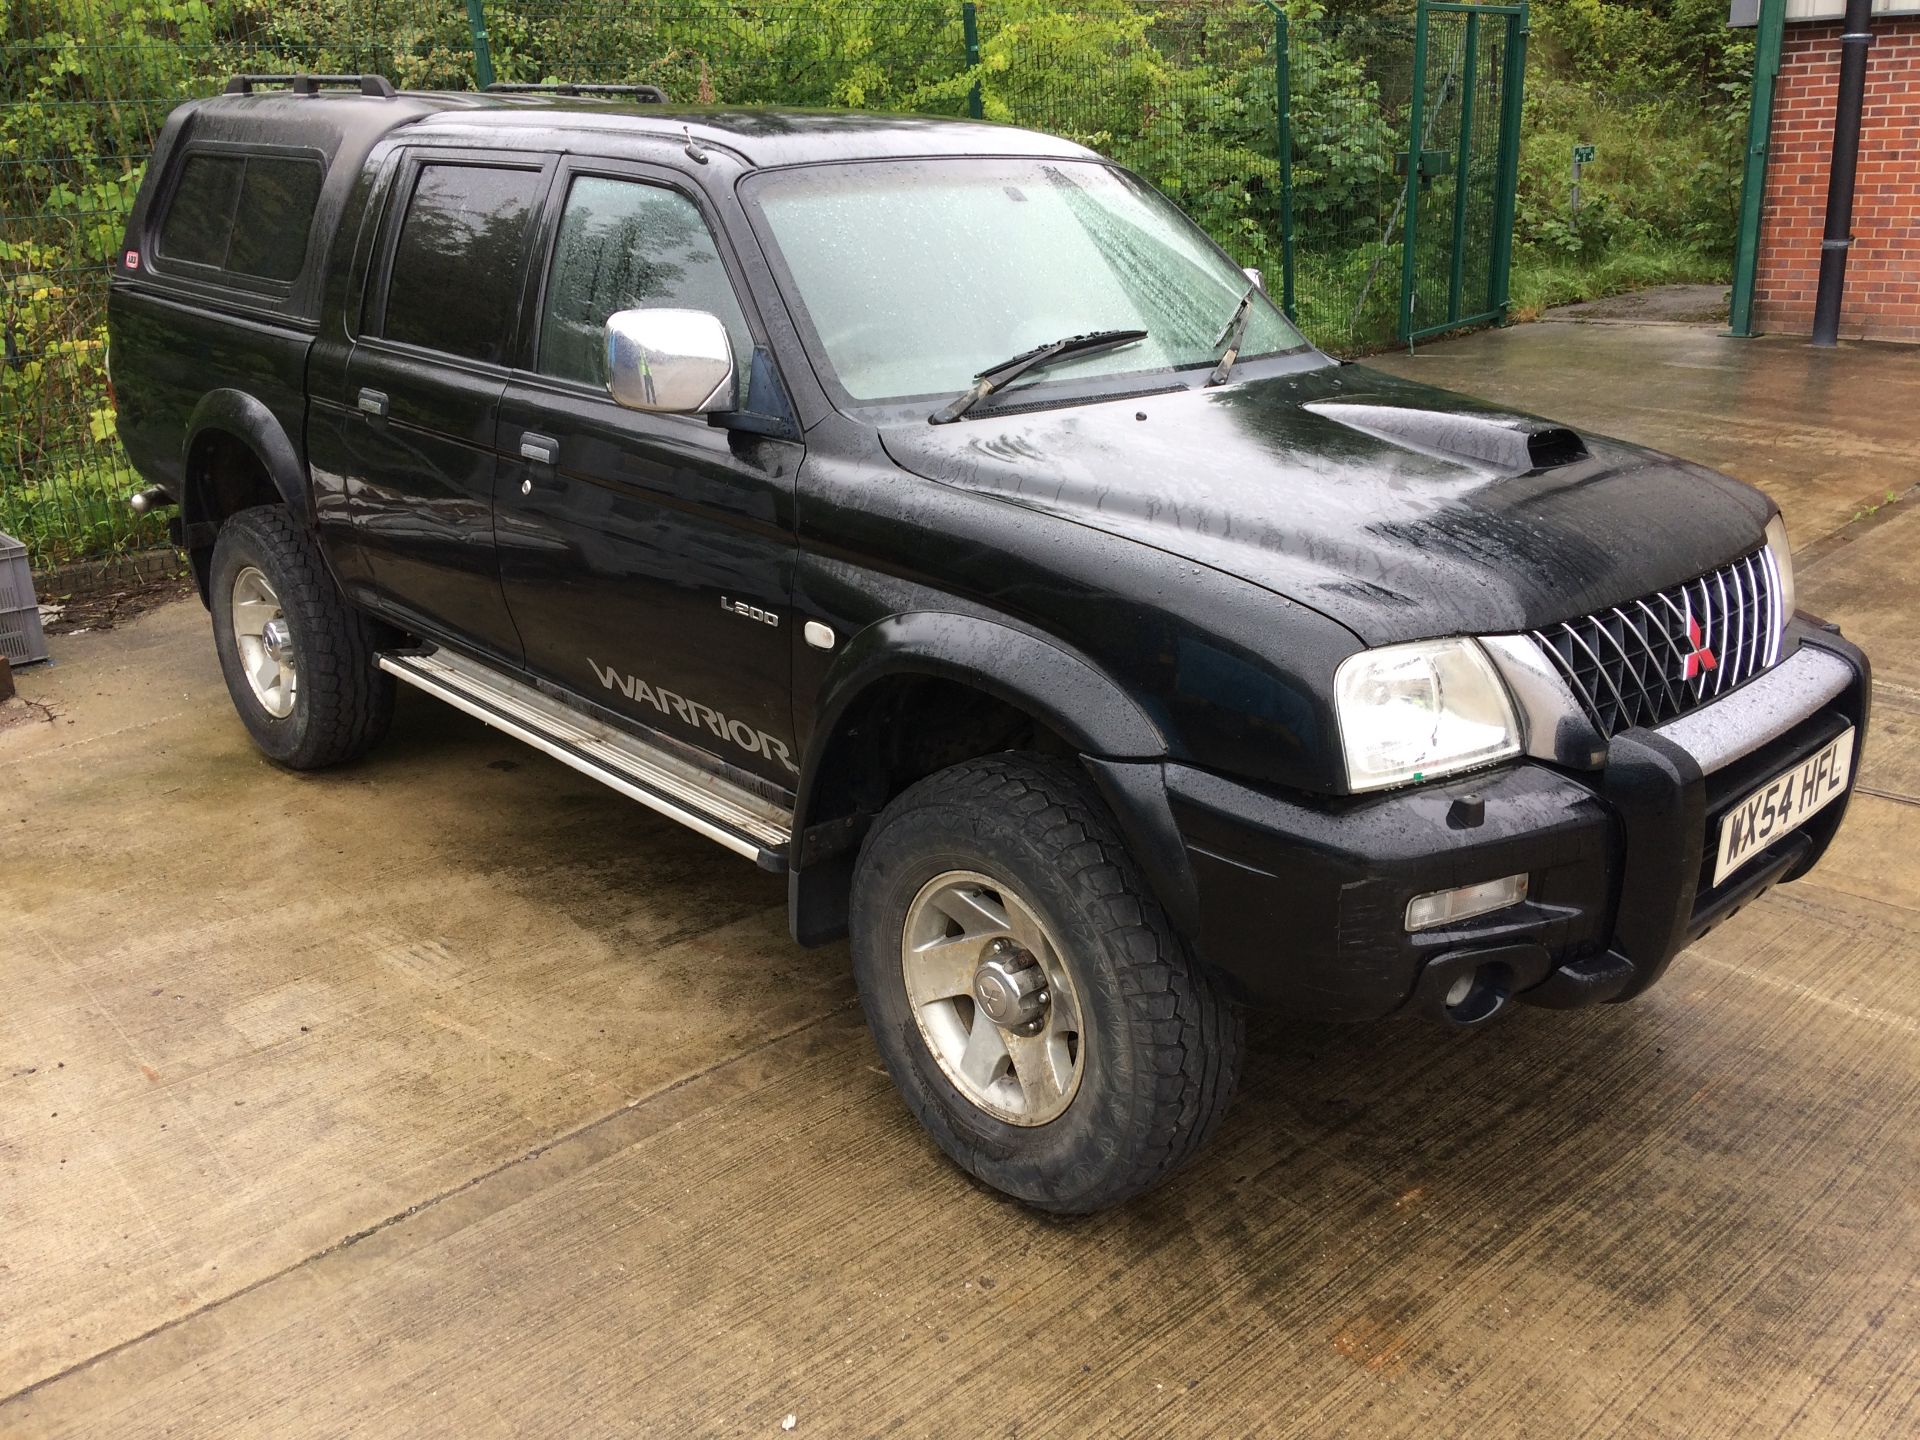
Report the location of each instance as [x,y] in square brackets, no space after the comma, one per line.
[246,419]
[1063,690]
[1039,675]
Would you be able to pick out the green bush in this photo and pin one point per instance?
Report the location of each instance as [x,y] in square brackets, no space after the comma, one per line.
[1660,88]
[1665,171]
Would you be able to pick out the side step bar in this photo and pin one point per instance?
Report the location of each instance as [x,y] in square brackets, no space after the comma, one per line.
[737,818]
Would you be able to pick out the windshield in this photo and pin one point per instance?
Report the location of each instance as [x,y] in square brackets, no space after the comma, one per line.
[917,275]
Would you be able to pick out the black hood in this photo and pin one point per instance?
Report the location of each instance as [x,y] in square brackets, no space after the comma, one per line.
[1444,516]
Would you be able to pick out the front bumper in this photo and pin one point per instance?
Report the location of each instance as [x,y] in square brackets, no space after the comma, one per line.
[1300,902]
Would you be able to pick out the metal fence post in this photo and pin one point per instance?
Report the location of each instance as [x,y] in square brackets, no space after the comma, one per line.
[970,33]
[1507,185]
[1456,269]
[1415,140]
[482,52]
[1283,143]
[1753,185]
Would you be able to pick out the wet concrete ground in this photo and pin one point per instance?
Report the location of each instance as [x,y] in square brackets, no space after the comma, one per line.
[450,1093]
[1827,433]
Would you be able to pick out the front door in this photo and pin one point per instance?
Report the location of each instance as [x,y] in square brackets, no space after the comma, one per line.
[423,386]
[647,560]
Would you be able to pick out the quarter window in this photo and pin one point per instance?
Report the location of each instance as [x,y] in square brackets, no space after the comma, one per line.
[627,246]
[248,215]
[455,280]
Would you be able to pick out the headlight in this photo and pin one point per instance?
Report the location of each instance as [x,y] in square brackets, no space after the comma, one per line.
[1414,712]
[1782,554]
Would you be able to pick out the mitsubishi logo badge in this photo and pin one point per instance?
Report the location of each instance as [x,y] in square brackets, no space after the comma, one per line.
[1701,659]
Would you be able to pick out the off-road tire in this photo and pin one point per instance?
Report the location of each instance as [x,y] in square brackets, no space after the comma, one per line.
[1162,1041]
[343,701]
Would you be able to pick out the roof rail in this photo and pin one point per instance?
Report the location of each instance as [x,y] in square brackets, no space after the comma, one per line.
[375,85]
[652,94]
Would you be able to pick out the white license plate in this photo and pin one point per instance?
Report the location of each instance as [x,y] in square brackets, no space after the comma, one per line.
[1783,804]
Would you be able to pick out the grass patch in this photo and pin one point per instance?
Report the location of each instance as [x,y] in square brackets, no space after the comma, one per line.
[1542,279]
[77,510]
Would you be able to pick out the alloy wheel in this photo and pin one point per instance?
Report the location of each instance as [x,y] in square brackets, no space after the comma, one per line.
[992,995]
[265,642]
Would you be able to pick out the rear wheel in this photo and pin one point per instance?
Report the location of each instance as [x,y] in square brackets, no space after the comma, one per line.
[1028,995]
[299,661]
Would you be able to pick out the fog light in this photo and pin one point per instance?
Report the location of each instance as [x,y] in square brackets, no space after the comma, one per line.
[1463,902]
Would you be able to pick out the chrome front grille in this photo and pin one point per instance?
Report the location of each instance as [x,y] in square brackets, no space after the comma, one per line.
[1647,661]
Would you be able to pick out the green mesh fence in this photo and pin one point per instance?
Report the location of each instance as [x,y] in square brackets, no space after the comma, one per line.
[1186,92]
[1351,79]
[1183,91]
[904,55]
[84,88]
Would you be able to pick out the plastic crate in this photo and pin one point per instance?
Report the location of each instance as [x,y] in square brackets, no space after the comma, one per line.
[22,640]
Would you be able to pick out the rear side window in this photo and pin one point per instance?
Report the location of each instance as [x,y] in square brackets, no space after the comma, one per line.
[246,215]
[454,284]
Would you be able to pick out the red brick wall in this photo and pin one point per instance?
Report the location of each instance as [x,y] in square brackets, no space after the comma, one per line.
[1883,269]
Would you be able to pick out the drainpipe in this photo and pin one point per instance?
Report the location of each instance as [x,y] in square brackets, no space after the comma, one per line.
[1846,155]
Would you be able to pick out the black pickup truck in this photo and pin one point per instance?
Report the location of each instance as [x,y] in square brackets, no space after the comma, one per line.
[930,512]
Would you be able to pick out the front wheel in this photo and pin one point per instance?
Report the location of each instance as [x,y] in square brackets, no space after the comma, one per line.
[1027,993]
[299,661]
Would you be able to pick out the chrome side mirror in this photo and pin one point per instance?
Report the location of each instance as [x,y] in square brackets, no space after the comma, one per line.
[1259,280]
[677,362]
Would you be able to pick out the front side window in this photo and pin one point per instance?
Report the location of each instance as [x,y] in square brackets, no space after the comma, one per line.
[917,275]
[454,285]
[248,215]
[624,245]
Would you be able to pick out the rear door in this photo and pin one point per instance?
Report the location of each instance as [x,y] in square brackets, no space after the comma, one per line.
[424,383]
[648,564]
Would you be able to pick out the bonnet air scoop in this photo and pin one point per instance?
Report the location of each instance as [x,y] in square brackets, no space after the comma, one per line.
[1512,443]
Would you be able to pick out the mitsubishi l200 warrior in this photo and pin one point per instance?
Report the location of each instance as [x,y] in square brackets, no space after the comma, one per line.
[928,511]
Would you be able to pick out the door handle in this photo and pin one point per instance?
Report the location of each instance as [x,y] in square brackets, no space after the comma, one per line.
[373,402]
[539,451]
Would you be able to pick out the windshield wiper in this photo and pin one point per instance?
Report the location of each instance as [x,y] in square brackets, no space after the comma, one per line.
[1000,376]
[1231,336]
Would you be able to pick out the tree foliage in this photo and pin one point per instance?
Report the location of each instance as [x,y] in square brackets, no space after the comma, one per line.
[1183,91]
[1660,87]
